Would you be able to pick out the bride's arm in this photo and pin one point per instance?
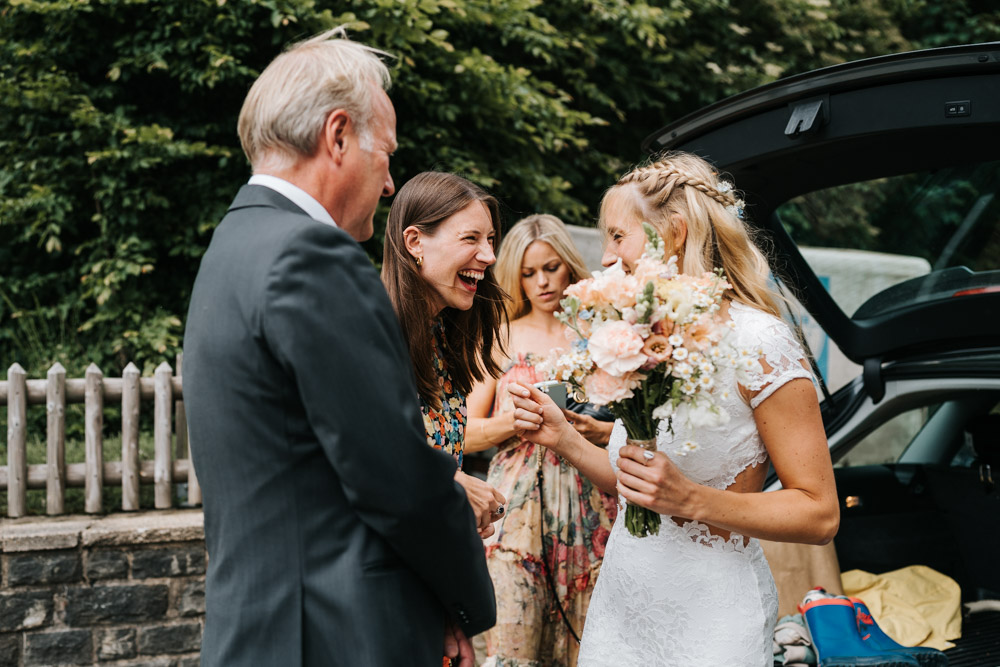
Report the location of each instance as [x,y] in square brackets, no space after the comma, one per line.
[539,420]
[804,510]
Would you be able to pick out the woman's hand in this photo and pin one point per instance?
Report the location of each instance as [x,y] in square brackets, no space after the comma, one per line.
[540,421]
[537,418]
[654,483]
[485,500]
[594,430]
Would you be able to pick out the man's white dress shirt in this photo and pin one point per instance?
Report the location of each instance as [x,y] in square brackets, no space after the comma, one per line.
[297,195]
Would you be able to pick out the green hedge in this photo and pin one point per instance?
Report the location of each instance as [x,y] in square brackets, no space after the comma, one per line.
[118,150]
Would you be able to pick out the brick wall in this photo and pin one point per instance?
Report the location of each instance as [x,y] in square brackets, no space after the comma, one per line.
[117,590]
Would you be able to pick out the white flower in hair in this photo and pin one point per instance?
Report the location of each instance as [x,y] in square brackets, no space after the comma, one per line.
[736,208]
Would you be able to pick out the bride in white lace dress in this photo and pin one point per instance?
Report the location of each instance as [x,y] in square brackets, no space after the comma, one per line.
[700,592]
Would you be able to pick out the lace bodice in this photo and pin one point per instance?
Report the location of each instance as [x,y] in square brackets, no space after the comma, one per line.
[723,452]
[686,597]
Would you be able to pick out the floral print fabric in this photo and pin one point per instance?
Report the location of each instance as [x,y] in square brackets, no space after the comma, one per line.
[575,526]
[445,428]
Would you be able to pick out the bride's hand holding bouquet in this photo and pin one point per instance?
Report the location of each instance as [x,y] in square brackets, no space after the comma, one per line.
[650,480]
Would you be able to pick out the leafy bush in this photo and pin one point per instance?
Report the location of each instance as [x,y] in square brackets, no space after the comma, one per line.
[118,150]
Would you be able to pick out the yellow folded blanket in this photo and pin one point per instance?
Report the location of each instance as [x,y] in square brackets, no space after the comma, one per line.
[915,605]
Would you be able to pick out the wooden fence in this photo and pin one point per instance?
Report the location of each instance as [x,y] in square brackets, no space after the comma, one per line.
[94,390]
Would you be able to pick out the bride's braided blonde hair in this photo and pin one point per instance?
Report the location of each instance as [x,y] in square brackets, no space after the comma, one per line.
[659,179]
[682,188]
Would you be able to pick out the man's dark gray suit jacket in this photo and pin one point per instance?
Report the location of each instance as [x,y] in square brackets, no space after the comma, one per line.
[335,534]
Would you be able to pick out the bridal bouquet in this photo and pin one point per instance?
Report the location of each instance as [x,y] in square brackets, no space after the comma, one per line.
[650,348]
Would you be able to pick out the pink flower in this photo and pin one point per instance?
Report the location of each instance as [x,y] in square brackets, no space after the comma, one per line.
[588,293]
[602,388]
[701,335]
[647,269]
[616,348]
[611,287]
[657,348]
[617,287]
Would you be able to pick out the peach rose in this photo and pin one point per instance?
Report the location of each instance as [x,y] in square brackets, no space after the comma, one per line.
[647,269]
[701,335]
[616,287]
[602,388]
[616,348]
[587,292]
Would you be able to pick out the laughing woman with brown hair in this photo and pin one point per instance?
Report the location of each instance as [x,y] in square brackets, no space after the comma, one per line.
[440,242]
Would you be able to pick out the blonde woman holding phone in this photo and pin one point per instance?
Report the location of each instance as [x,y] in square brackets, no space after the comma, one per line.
[547,550]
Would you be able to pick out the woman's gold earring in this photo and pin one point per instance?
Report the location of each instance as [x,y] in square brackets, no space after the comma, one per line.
[420,261]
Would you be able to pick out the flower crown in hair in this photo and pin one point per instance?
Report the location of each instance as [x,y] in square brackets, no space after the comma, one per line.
[738,206]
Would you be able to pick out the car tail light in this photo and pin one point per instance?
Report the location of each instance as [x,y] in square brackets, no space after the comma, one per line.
[978,290]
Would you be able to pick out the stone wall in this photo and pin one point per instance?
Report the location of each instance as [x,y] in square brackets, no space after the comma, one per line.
[117,590]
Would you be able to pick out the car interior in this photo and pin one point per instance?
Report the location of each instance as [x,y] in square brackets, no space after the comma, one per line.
[926,505]
[921,489]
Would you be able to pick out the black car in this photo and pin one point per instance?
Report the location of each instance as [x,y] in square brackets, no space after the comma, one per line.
[877,185]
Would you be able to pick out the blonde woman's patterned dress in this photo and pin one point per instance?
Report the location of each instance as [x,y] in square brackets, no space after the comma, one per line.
[577,520]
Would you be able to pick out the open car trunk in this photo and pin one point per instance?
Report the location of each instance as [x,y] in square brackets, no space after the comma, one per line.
[877,183]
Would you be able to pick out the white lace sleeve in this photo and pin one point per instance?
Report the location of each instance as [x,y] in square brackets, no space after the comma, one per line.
[781,356]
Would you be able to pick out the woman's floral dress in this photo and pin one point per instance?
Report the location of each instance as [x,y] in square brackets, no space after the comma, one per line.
[577,520]
[445,428]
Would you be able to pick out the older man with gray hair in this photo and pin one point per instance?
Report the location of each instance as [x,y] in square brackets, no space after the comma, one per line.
[335,535]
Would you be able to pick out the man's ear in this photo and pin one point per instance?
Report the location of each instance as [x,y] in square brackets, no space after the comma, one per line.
[679,230]
[335,134]
[413,240]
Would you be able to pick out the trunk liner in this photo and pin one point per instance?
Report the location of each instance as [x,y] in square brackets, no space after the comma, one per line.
[979,645]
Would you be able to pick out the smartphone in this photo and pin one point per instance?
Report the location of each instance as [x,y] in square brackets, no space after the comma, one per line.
[556,391]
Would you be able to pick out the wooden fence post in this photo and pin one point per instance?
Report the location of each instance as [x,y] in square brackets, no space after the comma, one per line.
[130,438]
[55,439]
[94,439]
[162,468]
[17,454]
